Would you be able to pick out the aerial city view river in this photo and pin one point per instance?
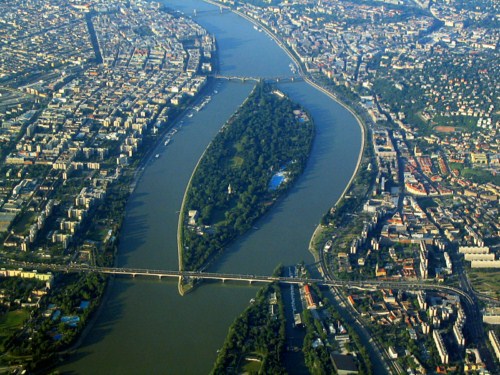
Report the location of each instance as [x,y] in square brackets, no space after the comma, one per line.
[144,325]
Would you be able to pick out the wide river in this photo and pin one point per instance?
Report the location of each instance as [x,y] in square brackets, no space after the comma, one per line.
[144,326]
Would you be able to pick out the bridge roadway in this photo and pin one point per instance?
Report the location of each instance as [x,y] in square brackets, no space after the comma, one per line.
[365,284]
[257,79]
[474,316]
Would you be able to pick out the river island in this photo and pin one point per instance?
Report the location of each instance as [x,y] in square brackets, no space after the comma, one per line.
[254,158]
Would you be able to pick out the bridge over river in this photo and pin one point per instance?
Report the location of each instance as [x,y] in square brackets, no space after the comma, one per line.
[279,79]
[200,275]
[469,298]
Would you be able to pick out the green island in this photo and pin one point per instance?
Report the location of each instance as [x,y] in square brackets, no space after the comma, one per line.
[255,157]
[256,340]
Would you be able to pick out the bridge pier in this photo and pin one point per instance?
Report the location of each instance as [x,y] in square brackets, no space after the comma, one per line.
[223,281]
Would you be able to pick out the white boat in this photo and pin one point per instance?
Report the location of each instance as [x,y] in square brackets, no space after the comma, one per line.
[157,156]
[167,141]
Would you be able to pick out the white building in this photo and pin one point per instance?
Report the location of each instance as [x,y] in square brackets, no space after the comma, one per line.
[494,343]
[443,353]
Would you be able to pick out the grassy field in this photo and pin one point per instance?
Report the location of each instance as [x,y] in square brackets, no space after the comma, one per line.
[487,282]
[9,323]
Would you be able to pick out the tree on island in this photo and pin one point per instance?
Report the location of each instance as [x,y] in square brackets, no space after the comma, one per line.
[255,157]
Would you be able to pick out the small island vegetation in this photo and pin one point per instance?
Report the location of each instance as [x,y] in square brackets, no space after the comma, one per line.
[256,340]
[250,163]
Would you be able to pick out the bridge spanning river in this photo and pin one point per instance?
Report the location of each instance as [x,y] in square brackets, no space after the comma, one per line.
[468,298]
[280,79]
[199,275]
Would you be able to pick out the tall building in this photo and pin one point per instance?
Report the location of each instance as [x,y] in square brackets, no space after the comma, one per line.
[443,353]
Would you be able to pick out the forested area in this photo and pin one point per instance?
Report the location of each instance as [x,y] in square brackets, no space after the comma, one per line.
[230,188]
[57,322]
[256,339]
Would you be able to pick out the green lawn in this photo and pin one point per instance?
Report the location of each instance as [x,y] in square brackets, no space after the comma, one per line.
[9,323]
[237,162]
[23,224]
[480,176]
[487,282]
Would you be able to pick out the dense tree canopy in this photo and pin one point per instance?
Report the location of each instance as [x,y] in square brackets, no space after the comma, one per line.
[256,337]
[231,186]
